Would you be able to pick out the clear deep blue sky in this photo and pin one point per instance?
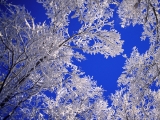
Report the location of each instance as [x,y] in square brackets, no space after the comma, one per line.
[104,71]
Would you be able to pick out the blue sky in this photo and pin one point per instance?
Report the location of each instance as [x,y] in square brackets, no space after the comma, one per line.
[104,71]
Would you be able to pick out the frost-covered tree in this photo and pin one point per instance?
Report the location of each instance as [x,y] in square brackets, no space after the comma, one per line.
[140,96]
[39,79]
[36,60]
